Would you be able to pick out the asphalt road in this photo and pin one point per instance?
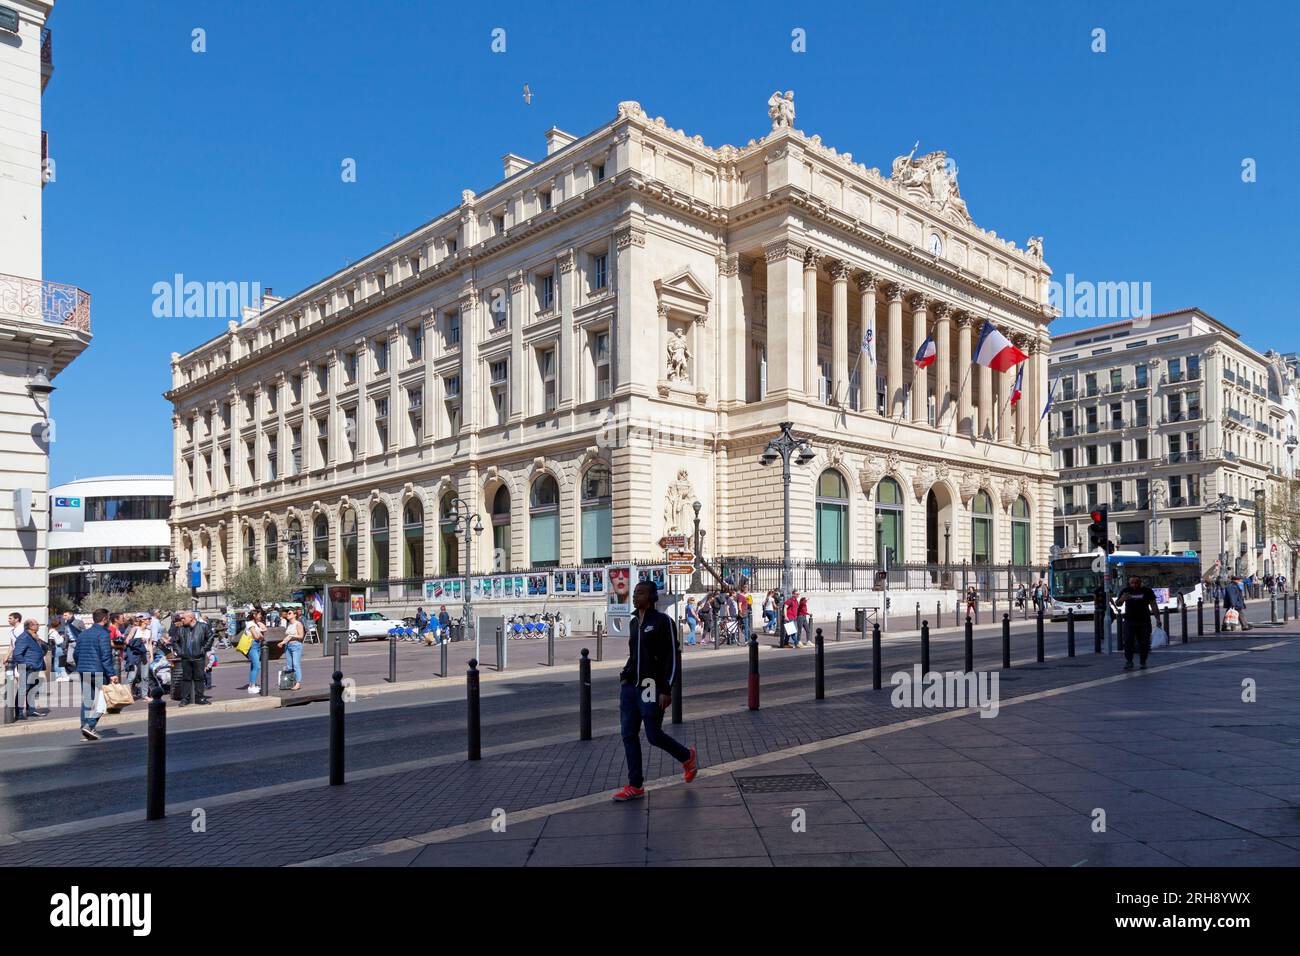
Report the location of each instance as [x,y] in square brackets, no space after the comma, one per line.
[55,777]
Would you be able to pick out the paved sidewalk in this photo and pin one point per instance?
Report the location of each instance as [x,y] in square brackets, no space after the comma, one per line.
[322,821]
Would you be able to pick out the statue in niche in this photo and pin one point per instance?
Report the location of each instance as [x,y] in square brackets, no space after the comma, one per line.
[679,357]
[678,513]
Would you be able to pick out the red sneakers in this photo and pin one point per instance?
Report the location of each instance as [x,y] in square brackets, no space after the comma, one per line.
[629,793]
[689,768]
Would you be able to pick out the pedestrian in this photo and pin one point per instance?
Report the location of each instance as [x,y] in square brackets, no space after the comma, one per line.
[421,620]
[692,615]
[972,600]
[1021,597]
[96,666]
[156,629]
[727,615]
[254,629]
[27,658]
[1137,603]
[645,690]
[16,629]
[1235,600]
[444,624]
[193,642]
[292,644]
[58,647]
[707,618]
[769,612]
[71,628]
[136,655]
[790,621]
[805,622]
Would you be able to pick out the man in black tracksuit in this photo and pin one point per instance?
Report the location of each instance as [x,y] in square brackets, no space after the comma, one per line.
[646,691]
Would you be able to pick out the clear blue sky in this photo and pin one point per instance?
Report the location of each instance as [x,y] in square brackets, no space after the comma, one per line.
[225,165]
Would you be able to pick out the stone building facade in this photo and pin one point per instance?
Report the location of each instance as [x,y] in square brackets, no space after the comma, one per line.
[614,332]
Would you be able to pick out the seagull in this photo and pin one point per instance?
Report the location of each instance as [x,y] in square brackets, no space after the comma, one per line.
[528,95]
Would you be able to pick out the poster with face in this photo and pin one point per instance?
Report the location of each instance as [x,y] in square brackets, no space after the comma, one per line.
[498,587]
[620,587]
[584,582]
[598,581]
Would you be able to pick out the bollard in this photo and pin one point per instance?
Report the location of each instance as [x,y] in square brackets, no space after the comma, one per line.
[1272,608]
[938,614]
[918,615]
[819,691]
[1098,626]
[584,697]
[875,656]
[474,747]
[336,730]
[392,658]
[956,613]
[994,615]
[837,627]
[550,645]
[1040,636]
[156,772]
[501,648]
[1200,617]
[677,680]
[977,611]
[600,641]
[1069,632]
[1182,613]
[264,678]
[925,648]
[1218,624]
[1006,640]
[1164,617]
[753,673]
[970,646]
[442,655]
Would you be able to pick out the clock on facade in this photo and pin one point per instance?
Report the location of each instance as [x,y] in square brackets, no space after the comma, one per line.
[936,244]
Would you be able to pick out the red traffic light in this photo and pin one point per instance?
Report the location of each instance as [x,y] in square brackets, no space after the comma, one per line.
[1096,516]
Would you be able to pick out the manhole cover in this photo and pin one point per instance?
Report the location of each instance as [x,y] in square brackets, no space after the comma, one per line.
[781,783]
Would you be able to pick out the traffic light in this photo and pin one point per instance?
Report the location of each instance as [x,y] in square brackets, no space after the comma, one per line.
[1099,530]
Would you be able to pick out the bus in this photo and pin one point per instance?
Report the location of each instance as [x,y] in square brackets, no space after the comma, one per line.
[1072,582]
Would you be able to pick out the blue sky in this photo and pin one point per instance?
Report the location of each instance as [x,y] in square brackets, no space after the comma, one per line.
[225,165]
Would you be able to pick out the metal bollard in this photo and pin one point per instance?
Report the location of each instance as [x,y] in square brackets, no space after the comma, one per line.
[875,656]
[938,614]
[677,682]
[995,607]
[550,645]
[925,648]
[336,730]
[820,661]
[977,612]
[1182,613]
[970,646]
[918,615]
[1200,617]
[442,655]
[1272,608]
[392,658]
[584,697]
[600,641]
[1006,640]
[837,627]
[156,772]
[501,648]
[956,613]
[264,678]
[1040,636]
[1218,623]
[472,726]
[753,673]
[1164,617]
[1098,626]
[1069,632]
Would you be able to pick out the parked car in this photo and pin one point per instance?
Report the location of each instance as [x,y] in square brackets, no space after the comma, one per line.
[370,624]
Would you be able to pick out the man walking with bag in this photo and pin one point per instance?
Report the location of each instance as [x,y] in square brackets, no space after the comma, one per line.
[1140,610]
[96,667]
[193,641]
[646,689]
[1235,600]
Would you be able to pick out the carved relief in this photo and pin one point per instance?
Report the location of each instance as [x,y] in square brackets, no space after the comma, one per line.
[869,475]
[934,177]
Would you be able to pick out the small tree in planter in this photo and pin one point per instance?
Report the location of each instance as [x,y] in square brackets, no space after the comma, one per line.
[165,595]
[111,601]
[260,586]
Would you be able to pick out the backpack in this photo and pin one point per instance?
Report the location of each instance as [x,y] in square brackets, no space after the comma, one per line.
[161,669]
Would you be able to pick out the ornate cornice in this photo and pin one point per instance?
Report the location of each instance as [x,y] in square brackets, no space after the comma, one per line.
[783,249]
[628,236]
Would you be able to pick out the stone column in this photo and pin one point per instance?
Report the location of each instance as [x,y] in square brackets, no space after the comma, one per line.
[920,376]
[469,334]
[867,378]
[1021,411]
[943,363]
[894,382]
[1040,391]
[965,415]
[839,331]
[566,360]
[1004,414]
[516,314]
[732,322]
[984,413]
[1033,399]
[810,365]
[785,318]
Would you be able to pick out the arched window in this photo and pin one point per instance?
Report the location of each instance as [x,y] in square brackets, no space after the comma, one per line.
[298,549]
[544,522]
[501,529]
[981,528]
[320,539]
[271,547]
[832,517]
[379,543]
[448,544]
[889,523]
[250,546]
[1020,550]
[347,545]
[413,539]
[597,538]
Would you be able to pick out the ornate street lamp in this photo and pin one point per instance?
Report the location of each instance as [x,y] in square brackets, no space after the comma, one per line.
[295,546]
[695,575]
[463,522]
[783,446]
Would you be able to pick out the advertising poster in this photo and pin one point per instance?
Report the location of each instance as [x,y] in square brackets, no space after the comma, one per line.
[620,589]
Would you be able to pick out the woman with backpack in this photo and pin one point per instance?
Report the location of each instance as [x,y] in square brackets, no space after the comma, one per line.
[250,645]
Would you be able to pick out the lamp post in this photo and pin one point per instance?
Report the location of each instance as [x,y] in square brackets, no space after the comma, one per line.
[295,547]
[695,575]
[1224,503]
[463,522]
[90,575]
[783,446]
[947,533]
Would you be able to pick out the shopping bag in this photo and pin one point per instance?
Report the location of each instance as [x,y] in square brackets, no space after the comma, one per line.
[117,695]
[245,643]
[791,627]
[285,679]
[1159,637]
[101,705]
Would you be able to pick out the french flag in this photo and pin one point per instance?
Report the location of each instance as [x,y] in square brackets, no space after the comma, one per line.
[995,350]
[927,353]
[1015,389]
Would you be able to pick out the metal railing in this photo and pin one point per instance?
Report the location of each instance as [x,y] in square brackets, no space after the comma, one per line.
[35,300]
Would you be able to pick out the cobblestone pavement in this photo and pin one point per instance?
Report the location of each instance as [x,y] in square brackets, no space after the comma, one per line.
[1195,702]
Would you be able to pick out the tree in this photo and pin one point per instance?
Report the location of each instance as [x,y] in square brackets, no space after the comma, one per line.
[165,595]
[1282,517]
[108,600]
[257,585]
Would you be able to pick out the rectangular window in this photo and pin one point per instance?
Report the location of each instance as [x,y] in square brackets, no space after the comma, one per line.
[1143,494]
[599,271]
[350,430]
[1132,532]
[498,388]
[544,197]
[1067,388]
[1116,452]
[272,458]
[1141,415]
[1092,495]
[1116,379]
[295,450]
[272,399]
[381,356]
[295,389]
[415,336]
[322,379]
[381,423]
[415,410]
[546,292]
[600,357]
[1141,452]
[225,467]
[1140,375]
[1116,493]
[597,173]
[350,368]
[323,440]
[546,369]
[1091,384]
[1186,532]
[250,461]
[452,336]
[1067,457]
[1092,454]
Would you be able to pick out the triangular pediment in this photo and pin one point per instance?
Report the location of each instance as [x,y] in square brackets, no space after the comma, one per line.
[684,291]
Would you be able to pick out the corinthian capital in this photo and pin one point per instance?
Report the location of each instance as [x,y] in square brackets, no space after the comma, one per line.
[917,301]
[810,257]
[896,292]
[839,271]
[867,281]
[943,310]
